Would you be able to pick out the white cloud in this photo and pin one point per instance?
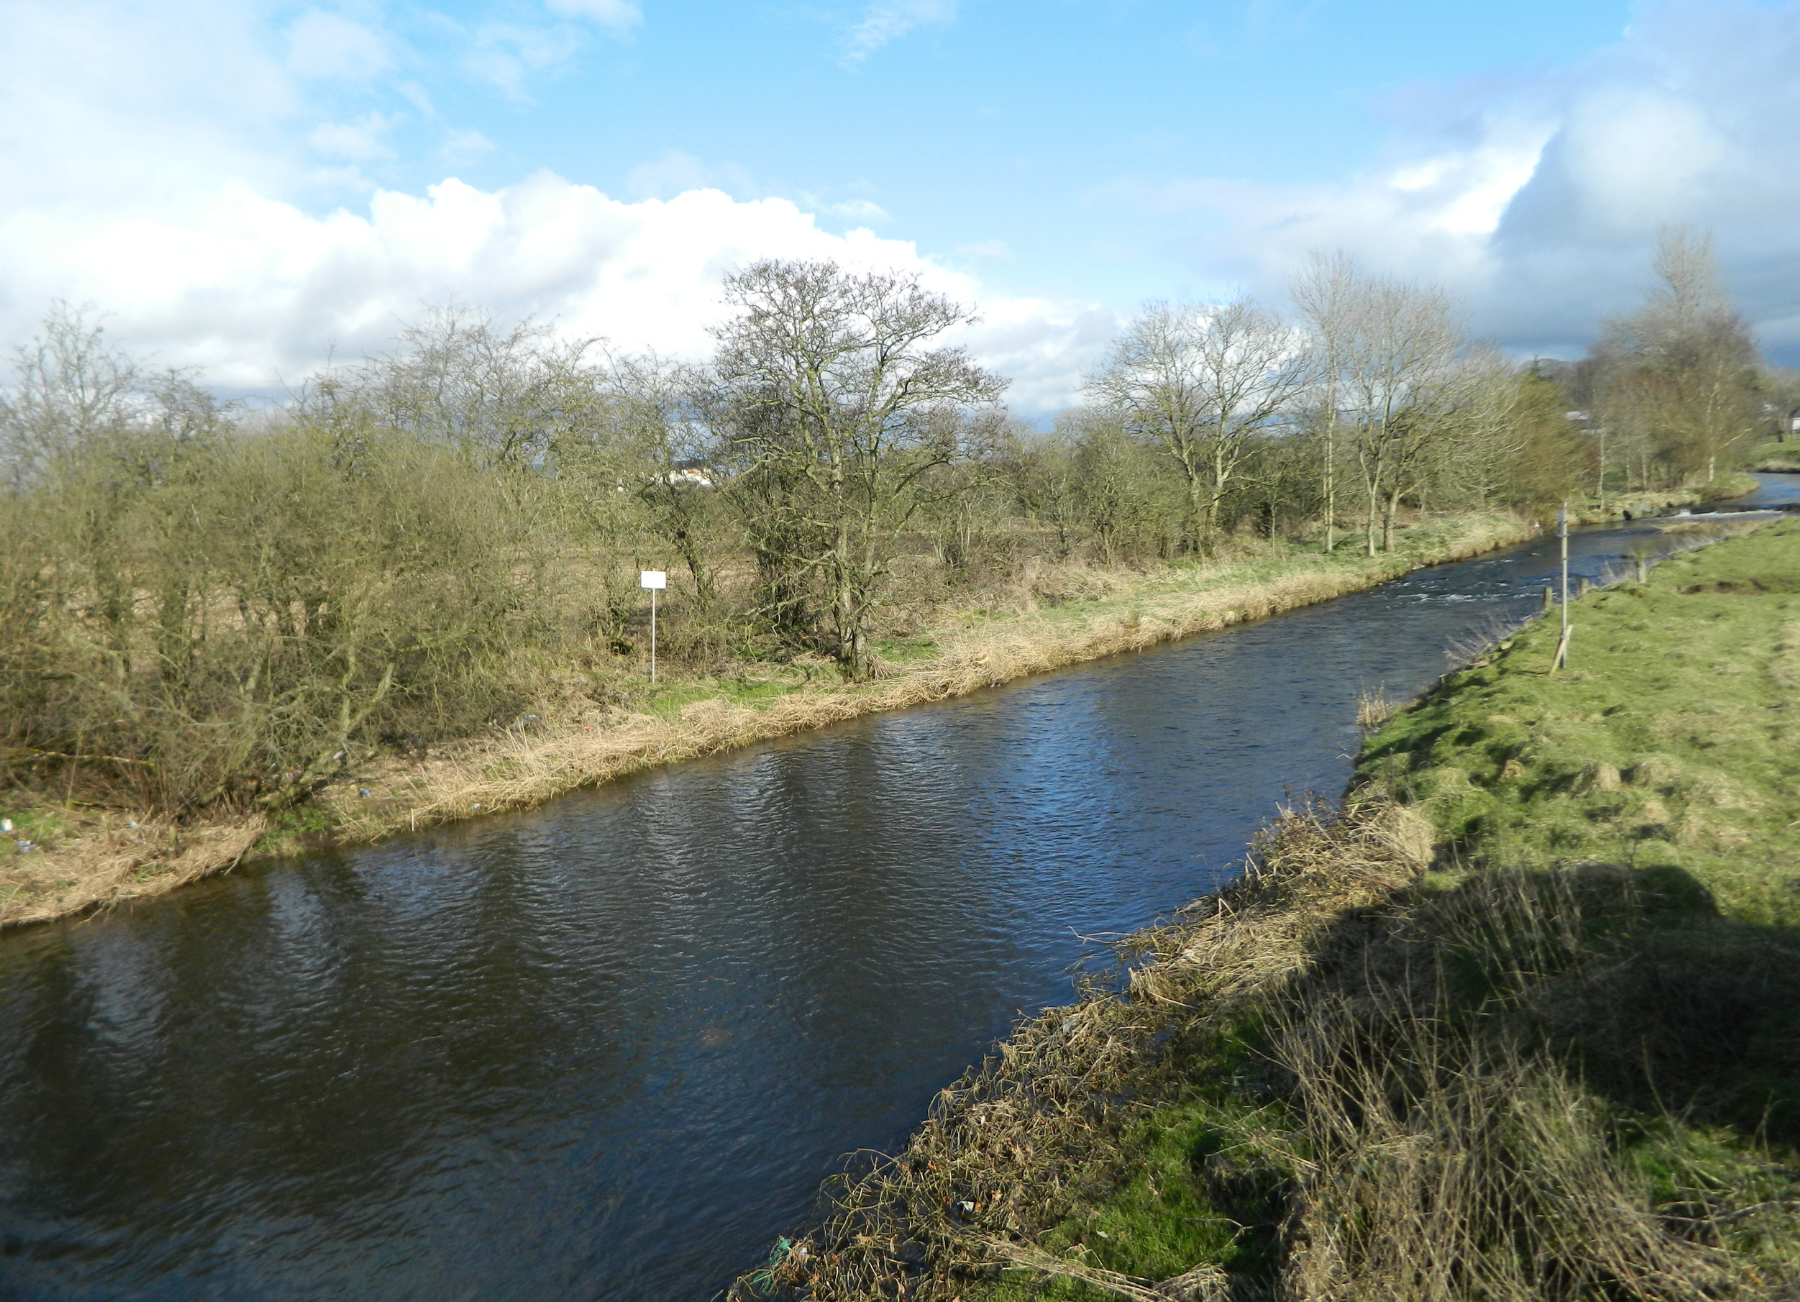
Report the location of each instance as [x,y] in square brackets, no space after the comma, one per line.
[159,165]
[327,45]
[1539,193]
[888,20]
[134,105]
[620,15]
[248,287]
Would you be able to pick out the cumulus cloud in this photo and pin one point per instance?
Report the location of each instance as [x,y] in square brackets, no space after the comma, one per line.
[171,179]
[247,287]
[137,105]
[888,20]
[1540,194]
[861,210]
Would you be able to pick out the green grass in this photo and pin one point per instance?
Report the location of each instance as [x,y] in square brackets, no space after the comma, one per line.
[667,700]
[906,650]
[1670,741]
[1185,1184]
[35,822]
[1770,455]
[1157,1222]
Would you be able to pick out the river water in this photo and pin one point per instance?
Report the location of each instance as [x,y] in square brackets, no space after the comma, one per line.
[610,1048]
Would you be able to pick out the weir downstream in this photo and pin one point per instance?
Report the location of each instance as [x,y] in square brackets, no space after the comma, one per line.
[610,1048]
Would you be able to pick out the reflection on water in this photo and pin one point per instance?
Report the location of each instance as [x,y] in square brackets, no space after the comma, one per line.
[611,1047]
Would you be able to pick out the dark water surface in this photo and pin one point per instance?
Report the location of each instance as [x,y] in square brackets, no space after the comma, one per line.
[609,1048]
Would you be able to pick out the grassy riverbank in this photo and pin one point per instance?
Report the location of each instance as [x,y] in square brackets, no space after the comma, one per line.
[1635,505]
[81,858]
[1776,458]
[1523,1022]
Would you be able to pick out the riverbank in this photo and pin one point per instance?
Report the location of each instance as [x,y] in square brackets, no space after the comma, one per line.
[1727,487]
[81,859]
[1523,1021]
[1777,458]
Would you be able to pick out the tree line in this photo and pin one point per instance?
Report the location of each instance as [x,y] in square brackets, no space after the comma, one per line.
[203,604]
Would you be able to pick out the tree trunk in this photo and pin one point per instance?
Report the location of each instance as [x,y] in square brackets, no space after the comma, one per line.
[1197,518]
[1330,483]
[849,627]
[1369,518]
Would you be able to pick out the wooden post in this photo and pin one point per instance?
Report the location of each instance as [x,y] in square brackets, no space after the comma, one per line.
[1562,534]
[1562,643]
[1602,433]
[1581,589]
[1643,570]
[1549,598]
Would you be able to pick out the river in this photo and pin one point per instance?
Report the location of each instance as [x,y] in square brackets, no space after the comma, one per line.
[609,1048]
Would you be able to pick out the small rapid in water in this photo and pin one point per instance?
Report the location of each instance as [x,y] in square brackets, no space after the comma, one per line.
[609,1048]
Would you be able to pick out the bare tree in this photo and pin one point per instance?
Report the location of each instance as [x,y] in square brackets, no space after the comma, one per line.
[1398,341]
[832,395]
[661,447]
[68,387]
[1322,293]
[501,396]
[1201,381]
[1687,356]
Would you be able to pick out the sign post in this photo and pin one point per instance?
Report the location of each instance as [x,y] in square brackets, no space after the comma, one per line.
[656,581]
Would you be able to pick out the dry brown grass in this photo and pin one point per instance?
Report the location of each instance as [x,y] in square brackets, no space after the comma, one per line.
[1442,1154]
[114,861]
[1373,709]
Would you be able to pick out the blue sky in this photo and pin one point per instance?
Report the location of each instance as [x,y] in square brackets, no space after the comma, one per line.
[990,126]
[242,185]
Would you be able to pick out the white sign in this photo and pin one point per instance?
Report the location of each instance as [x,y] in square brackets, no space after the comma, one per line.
[653,579]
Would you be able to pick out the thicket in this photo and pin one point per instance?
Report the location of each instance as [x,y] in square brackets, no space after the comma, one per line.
[205,605]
